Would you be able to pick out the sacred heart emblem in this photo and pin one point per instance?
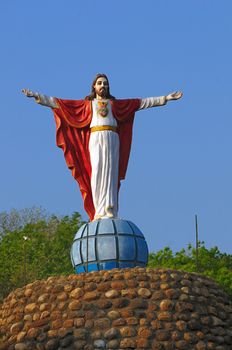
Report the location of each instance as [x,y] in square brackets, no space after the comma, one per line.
[102,109]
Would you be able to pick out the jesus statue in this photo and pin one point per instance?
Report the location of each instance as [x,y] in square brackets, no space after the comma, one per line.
[95,134]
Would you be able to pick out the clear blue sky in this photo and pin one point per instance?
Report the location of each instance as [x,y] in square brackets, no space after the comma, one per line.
[180,163]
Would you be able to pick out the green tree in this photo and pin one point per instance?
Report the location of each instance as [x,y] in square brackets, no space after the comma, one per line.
[211,262]
[36,250]
[17,219]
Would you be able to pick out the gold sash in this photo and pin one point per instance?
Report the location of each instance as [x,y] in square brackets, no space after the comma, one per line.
[104,127]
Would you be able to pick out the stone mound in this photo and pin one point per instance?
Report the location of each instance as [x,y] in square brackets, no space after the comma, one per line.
[134,308]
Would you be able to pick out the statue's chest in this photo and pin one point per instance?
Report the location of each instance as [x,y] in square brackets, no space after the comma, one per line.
[102,113]
[102,109]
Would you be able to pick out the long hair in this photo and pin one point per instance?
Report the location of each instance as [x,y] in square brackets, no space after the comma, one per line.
[93,92]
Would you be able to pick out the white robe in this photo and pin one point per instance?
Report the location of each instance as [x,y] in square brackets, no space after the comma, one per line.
[104,157]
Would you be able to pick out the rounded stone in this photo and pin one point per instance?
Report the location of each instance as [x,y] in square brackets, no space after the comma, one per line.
[79,322]
[145,332]
[128,343]
[113,315]
[162,335]
[33,332]
[28,292]
[201,345]
[166,305]
[99,343]
[21,336]
[43,298]
[96,334]
[65,342]
[80,333]
[112,294]
[111,333]
[62,296]
[77,293]
[16,327]
[164,316]
[89,296]
[75,305]
[113,344]
[52,344]
[31,308]
[127,332]
[144,293]
[21,346]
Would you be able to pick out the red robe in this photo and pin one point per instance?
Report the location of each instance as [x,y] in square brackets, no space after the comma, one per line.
[73,118]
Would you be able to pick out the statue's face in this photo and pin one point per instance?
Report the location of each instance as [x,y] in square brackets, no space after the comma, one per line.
[101,87]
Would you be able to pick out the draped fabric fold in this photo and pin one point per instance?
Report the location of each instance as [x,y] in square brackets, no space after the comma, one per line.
[124,112]
[73,118]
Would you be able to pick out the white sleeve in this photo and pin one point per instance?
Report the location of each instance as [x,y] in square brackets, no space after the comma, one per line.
[152,102]
[46,100]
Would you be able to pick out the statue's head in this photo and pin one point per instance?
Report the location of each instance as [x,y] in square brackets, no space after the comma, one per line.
[100,86]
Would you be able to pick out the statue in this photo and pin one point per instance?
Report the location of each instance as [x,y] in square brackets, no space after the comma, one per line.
[95,134]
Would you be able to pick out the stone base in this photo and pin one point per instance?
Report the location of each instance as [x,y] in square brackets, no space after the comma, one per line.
[134,308]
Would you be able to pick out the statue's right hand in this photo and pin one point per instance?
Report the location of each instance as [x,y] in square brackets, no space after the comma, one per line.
[28,93]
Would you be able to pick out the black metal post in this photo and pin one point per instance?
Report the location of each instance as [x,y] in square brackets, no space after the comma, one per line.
[24,262]
[197,244]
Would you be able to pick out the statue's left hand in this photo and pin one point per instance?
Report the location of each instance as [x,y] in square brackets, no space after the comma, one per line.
[174,96]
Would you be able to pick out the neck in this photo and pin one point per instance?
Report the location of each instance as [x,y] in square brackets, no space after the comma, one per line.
[98,97]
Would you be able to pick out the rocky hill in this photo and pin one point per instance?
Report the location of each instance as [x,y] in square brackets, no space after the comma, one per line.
[134,308]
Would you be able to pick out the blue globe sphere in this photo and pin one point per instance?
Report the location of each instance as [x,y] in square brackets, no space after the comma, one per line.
[108,243]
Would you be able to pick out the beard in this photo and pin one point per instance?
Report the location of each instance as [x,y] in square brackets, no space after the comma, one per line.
[103,92]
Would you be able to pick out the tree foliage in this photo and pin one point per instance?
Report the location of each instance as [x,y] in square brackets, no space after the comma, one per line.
[210,262]
[17,219]
[35,249]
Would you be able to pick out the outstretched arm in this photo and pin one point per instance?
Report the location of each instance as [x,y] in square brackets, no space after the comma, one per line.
[41,99]
[159,101]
